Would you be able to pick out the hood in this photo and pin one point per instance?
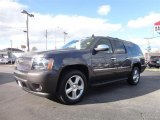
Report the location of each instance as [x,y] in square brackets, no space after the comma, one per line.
[50,53]
[62,52]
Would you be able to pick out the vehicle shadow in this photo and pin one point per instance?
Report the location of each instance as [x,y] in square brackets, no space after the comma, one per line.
[6,78]
[121,90]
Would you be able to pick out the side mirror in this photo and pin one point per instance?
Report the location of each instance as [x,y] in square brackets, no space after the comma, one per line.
[102,47]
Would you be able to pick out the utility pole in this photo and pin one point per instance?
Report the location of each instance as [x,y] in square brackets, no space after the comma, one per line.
[55,42]
[148,48]
[11,51]
[28,49]
[27,31]
[46,35]
[65,34]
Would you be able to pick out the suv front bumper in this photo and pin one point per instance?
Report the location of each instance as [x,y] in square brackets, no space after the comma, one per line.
[42,83]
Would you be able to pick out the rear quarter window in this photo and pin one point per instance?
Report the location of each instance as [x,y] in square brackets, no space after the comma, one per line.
[133,49]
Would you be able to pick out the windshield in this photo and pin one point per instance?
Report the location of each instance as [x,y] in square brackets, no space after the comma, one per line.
[79,44]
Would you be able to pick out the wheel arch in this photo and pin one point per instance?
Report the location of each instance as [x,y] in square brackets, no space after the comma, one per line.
[137,64]
[84,69]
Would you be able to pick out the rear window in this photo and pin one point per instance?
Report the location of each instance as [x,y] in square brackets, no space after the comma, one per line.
[133,49]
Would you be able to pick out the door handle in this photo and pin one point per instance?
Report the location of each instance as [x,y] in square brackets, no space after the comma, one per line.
[113,58]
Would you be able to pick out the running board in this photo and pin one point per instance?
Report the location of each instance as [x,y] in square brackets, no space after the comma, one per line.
[108,82]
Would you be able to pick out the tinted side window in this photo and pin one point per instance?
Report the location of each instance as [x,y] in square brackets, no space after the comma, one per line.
[137,51]
[119,47]
[129,48]
[133,49]
[106,42]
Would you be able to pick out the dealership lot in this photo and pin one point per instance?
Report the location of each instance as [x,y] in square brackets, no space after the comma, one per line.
[117,101]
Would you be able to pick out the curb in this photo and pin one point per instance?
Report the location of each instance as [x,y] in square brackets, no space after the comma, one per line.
[154,70]
[8,65]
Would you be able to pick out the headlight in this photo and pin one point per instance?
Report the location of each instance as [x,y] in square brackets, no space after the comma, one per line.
[40,63]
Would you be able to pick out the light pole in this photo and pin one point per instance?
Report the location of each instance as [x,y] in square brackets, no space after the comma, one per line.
[65,34]
[11,52]
[46,35]
[27,31]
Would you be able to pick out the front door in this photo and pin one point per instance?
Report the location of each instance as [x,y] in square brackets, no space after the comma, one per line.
[103,63]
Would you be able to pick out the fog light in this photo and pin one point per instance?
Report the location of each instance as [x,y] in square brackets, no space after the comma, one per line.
[37,87]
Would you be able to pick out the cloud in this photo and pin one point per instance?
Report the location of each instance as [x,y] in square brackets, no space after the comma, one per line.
[12,24]
[145,21]
[104,10]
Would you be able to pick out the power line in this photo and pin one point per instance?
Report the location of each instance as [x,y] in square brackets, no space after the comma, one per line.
[12,28]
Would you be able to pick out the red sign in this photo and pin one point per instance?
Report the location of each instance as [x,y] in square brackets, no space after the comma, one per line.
[157,26]
[157,23]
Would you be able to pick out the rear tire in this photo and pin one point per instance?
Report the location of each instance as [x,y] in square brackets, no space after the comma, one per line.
[73,87]
[134,77]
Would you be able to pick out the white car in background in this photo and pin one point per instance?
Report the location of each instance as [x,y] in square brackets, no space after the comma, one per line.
[4,60]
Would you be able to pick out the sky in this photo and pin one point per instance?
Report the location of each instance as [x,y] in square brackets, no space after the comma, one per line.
[131,20]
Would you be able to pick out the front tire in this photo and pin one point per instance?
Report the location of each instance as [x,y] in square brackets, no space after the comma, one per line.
[72,88]
[134,76]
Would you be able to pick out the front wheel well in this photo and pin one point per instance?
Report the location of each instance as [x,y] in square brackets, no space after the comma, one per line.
[81,68]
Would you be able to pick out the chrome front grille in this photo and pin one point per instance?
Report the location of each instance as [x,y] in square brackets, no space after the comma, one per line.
[24,64]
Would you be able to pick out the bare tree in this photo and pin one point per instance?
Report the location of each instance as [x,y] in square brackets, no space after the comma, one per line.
[34,49]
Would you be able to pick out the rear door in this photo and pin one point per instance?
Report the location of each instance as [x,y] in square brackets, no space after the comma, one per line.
[123,62]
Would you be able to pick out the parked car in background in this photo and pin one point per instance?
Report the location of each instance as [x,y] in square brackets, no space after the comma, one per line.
[154,62]
[67,73]
[5,59]
[9,55]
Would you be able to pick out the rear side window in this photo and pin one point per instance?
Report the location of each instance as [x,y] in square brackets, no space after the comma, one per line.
[133,49]
[119,47]
[137,50]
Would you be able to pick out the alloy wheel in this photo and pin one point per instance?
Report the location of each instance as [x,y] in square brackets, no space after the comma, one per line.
[136,76]
[74,87]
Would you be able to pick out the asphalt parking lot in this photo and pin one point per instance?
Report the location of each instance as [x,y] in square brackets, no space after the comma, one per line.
[118,101]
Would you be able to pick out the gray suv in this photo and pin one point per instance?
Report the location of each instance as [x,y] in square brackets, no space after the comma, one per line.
[66,73]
